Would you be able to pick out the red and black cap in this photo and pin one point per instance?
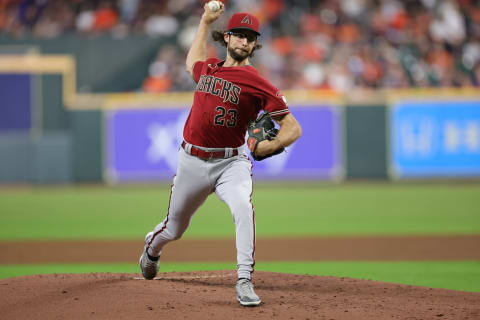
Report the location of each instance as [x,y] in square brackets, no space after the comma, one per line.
[243,20]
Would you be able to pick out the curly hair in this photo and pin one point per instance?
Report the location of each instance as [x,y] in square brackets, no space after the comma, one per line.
[217,36]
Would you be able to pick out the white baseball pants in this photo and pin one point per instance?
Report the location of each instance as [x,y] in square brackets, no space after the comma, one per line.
[196,179]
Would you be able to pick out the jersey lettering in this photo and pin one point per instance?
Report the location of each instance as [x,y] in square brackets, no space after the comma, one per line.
[201,83]
[216,91]
[219,87]
[208,83]
[226,90]
[235,97]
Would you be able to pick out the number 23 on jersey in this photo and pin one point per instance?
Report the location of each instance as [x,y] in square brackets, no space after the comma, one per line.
[224,117]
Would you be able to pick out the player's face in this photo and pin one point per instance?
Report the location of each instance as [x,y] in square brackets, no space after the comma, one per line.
[240,44]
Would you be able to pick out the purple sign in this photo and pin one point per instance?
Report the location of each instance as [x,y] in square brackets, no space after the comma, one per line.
[15,102]
[142,145]
[316,155]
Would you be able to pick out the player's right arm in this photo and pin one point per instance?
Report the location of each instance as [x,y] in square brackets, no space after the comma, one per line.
[198,49]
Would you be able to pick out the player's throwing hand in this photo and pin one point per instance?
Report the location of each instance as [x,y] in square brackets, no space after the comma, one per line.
[210,16]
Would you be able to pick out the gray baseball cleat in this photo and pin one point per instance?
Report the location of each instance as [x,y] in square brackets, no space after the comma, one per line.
[245,293]
[148,266]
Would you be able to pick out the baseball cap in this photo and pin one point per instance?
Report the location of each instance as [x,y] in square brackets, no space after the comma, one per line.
[243,20]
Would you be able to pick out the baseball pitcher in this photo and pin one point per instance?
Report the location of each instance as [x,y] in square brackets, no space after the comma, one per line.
[228,98]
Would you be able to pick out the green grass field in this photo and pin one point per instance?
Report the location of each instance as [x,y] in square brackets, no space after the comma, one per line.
[456,275]
[282,210]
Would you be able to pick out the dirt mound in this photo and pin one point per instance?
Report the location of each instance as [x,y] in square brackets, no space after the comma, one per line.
[210,295]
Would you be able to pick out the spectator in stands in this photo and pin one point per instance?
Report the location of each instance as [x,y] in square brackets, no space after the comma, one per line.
[106,16]
[324,44]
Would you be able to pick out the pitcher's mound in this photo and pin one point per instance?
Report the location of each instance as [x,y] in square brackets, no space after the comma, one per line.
[211,295]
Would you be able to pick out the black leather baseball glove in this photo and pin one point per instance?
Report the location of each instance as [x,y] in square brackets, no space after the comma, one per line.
[261,129]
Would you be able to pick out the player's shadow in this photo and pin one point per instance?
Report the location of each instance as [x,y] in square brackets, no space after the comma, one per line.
[201,282]
[229,282]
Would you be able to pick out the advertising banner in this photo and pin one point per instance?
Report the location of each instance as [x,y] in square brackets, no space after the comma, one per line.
[142,145]
[435,139]
[15,102]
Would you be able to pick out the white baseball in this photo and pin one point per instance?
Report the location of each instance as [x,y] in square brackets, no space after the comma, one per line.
[214,6]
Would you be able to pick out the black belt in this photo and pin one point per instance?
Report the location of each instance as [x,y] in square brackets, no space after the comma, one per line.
[206,155]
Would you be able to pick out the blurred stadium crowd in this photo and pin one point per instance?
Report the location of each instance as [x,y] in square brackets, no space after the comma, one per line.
[307,44]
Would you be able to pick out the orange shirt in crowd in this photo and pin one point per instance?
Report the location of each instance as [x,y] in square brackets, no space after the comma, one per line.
[105,19]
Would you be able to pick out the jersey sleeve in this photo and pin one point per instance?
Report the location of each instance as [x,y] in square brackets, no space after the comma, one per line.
[272,99]
[197,70]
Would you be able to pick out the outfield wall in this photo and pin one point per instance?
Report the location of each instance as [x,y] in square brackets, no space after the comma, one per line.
[142,144]
[51,133]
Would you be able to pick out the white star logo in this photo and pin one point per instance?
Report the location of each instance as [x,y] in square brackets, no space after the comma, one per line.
[165,140]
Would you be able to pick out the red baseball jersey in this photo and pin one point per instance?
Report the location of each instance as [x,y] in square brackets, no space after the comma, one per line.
[226,99]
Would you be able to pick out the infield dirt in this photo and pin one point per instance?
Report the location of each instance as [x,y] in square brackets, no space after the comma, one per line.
[391,248]
[210,295]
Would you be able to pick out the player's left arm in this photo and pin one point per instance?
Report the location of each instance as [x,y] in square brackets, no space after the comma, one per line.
[288,133]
